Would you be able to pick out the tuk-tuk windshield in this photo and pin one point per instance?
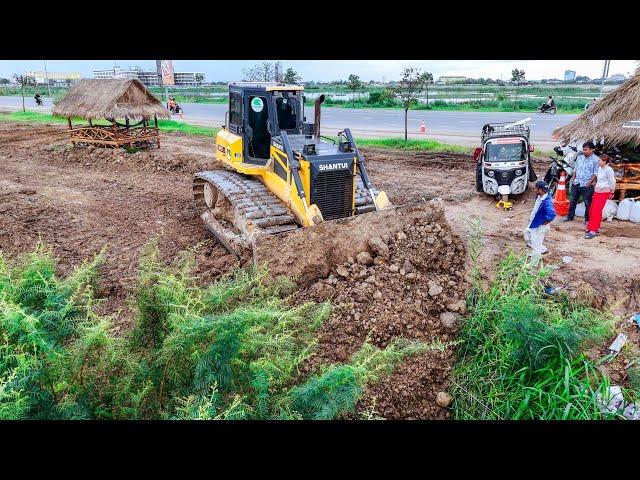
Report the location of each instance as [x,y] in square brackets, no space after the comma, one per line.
[506,152]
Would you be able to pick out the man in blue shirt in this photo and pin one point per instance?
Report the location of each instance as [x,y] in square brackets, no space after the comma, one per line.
[585,176]
[542,214]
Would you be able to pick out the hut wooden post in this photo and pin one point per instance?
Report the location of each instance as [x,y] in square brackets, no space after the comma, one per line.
[114,129]
[155,122]
[70,133]
[90,124]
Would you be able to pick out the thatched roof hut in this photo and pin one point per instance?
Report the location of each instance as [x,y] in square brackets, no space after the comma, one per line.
[111,99]
[608,117]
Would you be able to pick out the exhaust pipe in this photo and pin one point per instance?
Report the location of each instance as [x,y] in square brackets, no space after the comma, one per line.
[316,127]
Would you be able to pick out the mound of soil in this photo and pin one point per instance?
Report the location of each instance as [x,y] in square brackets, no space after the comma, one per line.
[409,284]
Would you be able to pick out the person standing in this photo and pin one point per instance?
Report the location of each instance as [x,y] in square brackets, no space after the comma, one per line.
[586,168]
[604,189]
[542,214]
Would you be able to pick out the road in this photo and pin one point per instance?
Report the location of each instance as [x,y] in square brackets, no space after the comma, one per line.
[452,127]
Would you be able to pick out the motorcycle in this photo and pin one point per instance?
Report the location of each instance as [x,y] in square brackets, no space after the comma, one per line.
[551,110]
[564,162]
[39,102]
[176,109]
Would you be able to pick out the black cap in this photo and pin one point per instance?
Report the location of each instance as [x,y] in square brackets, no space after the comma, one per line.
[542,185]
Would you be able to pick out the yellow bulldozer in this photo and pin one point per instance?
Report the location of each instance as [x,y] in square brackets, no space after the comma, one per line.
[287,194]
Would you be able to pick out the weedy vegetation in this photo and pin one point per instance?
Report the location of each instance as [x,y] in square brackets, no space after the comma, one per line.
[522,352]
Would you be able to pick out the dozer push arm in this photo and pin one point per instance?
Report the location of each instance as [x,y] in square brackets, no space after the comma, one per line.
[312,213]
[295,167]
[361,166]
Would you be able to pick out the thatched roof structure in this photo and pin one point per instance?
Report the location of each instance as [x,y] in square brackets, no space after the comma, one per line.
[607,117]
[90,98]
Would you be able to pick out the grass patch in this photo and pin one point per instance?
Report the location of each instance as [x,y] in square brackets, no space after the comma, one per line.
[164,125]
[416,145]
[232,350]
[522,352]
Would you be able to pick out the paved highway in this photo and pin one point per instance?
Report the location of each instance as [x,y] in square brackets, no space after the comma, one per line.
[452,127]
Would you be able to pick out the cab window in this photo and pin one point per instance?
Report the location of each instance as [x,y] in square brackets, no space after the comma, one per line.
[235,108]
[286,109]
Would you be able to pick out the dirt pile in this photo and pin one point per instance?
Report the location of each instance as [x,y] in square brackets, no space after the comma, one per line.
[151,160]
[407,284]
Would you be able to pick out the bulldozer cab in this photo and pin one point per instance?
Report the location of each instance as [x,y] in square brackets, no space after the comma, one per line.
[259,112]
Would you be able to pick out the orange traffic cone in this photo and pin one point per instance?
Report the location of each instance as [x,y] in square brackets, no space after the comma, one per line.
[560,202]
[423,127]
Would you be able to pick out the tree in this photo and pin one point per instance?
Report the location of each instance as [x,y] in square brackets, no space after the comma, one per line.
[199,80]
[24,81]
[260,72]
[517,76]
[291,76]
[407,89]
[429,77]
[354,84]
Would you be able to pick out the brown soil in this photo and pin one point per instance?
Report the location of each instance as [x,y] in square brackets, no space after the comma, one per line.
[82,200]
[398,288]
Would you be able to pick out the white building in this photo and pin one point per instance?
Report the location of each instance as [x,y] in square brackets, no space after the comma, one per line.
[449,80]
[55,78]
[185,79]
[149,78]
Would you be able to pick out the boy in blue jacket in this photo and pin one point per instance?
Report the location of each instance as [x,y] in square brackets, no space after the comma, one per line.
[542,214]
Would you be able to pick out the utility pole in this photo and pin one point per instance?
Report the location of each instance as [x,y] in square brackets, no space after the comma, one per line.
[605,74]
[46,77]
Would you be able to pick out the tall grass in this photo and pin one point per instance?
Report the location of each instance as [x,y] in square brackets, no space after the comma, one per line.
[522,352]
[232,350]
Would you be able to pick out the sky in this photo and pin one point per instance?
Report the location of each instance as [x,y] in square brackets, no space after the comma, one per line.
[326,70]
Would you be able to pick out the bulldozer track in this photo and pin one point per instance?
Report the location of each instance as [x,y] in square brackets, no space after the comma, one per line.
[254,209]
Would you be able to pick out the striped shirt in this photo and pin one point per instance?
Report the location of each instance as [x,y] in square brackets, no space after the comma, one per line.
[586,167]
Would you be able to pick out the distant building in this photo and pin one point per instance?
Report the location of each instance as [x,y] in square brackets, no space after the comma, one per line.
[187,79]
[148,78]
[116,72]
[55,78]
[569,75]
[618,77]
[449,80]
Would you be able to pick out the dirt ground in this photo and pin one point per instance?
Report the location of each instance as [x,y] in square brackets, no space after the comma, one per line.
[81,200]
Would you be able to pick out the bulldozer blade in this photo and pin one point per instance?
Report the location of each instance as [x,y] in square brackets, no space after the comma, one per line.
[308,254]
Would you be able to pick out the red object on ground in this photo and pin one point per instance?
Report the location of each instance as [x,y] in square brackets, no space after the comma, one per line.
[423,127]
[477,152]
[560,202]
[598,201]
